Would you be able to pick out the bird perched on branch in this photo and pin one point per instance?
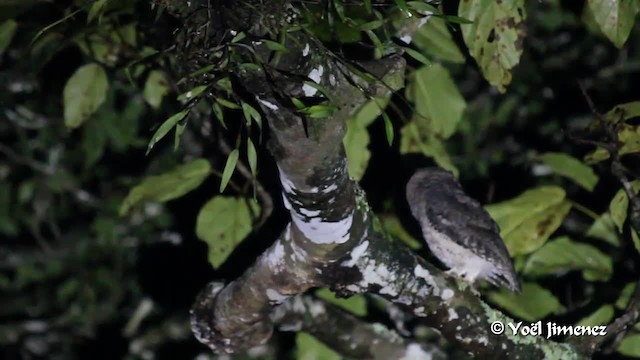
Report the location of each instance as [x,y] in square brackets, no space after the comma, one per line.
[457,229]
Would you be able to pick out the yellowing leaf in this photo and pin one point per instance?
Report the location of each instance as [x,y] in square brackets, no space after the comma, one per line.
[167,186]
[495,37]
[562,255]
[83,94]
[615,18]
[533,303]
[528,220]
[572,168]
[156,87]
[223,222]
[438,102]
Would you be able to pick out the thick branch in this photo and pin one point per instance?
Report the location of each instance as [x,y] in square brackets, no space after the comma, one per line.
[347,334]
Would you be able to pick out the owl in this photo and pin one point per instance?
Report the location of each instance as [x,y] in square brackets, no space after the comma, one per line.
[457,229]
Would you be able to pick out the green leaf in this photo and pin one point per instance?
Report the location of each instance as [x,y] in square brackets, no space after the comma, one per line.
[623,112]
[604,228]
[250,112]
[195,92]
[434,37]
[636,239]
[602,316]
[562,255]
[156,87]
[572,168]
[223,222]
[630,345]
[228,104]
[615,18]
[166,126]
[372,25]
[356,139]
[7,30]
[275,46]
[96,9]
[252,157]
[528,220]
[412,140]
[625,295]
[308,348]
[533,303]
[229,167]
[179,130]
[393,227]
[417,55]
[438,102]
[83,94]
[620,204]
[356,304]
[167,186]
[388,128]
[495,38]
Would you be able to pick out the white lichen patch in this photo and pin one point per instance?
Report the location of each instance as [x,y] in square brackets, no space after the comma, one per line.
[332,80]
[316,309]
[446,294]
[415,352]
[356,253]
[452,314]
[320,231]
[406,39]
[419,311]
[483,340]
[378,274]
[315,75]
[267,104]
[309,213]
[276,256]
[423,273]
[305,51]
[274,296]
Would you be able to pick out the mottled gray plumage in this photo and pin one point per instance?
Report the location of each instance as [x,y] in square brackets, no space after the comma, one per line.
[457,229]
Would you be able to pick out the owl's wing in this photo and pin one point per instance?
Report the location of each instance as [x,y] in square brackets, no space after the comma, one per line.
[463,220]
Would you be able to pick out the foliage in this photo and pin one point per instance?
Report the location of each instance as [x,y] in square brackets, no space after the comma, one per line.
[121,127]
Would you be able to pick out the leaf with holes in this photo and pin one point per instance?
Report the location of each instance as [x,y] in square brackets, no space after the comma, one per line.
[495,37]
